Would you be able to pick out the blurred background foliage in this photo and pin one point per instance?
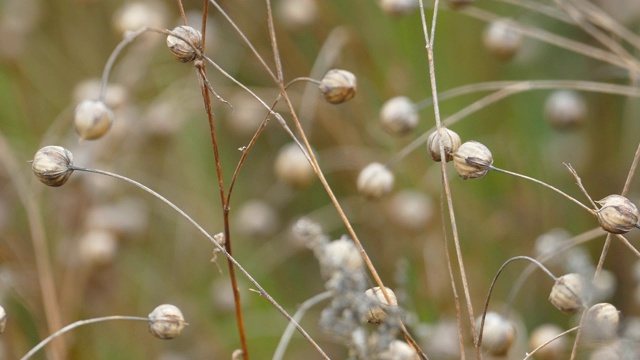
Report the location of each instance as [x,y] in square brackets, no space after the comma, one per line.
[53,52]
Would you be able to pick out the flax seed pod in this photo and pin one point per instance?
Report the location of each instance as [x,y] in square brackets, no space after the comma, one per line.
[378,313]
[166,322]
[292,167]
[451,143]
[554,350]
[398,116]
[375,181]
[52,165]
[398,350]
[472,160]
[617,215]
[398,7]
[338,86]
[3,319]
[92,119]
[502,40]
[565,110]
[498,334]
[568,293]
[182,45]
[601,323]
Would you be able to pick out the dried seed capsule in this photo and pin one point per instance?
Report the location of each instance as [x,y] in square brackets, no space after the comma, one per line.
[498,334]
[98,247]
[451,144]
[502,39]
[3,319]
[257,218]
[472,160]
[338,86]
[377,314]
[565,109]
[617,215]
[601,322]
[92,119]
[292,167]
[398,7]
[398,116]
[554,350]
[296,14]
[181,49]
[166,322]
[375,181]
[341,254]
[132,16]
[398,350]
[568,293]
[52,165]
[410,209]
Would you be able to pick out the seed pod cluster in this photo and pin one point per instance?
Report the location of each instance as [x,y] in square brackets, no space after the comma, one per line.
[182,45]
[618,215]
[451,143]
[502,40]
[52,165]
[92,119]
[375,181]
[472,160]
[568,293]
[166,322]
[377,314]
[498,334]
[338,86]
[398,116]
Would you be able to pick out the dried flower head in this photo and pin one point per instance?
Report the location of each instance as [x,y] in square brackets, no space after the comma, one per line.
[182,45]
[498,334]
[338,86]
[451,143]
[398,7]
[502,39]
[565,109]
[92,119]
[617,215]
[52,165]
[554,350]
[568,293]
[292,167]
[166,322]
[472,160]
[375,181]
[398,116]
[601,323]
[377,313]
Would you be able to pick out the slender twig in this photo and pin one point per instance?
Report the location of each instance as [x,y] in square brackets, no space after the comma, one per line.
[255,283]
[78,324]
[182,14]
[579,183]
[533,352]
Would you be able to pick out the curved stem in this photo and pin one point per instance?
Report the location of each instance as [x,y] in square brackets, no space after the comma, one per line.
[128,38]
[77,324]
[255,283]
[533,352]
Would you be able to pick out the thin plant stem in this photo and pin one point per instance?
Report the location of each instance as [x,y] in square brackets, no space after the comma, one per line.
[592,212]
[78,324]
[493,283]
[429,43]
[182,14]
[302,310]
[533,352]
[579,183]
[255,283]
[44,268]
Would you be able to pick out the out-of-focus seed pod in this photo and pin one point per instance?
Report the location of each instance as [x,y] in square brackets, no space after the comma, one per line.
[377,313]
[115,97]
[338,86]
[451,144]
[565,109]
[3,319]
[568,293]
[98,247]
[92,119]
[166,322]
[502,40]
[601,323]
[135,15]
[457,4]
[411,209]
[498,335]
[181,49]
[398,350]
[398,7]
[341,254]
[398,116]
[472,160]
[292,167]
[375,181]
[617,215]
[554,350]
[52,165]
[256,218]
[296,14]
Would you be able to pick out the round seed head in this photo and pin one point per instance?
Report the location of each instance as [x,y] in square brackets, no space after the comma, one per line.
[98,247]
[601,322]
[134,15]
[292,167]
[451,144]
[498,335]
[3,319]
[338,86]
[398,7]
[501,39]
[377,314]
[568,292]
[52,165]
[92,119]
[411,209]
[398,116]
[166,322]
[554,350]
[617,215]
[257,218]
[340,255]
[472,160]
[398,350]
[296,14]
[181,49]
[375,181]
[565,109]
